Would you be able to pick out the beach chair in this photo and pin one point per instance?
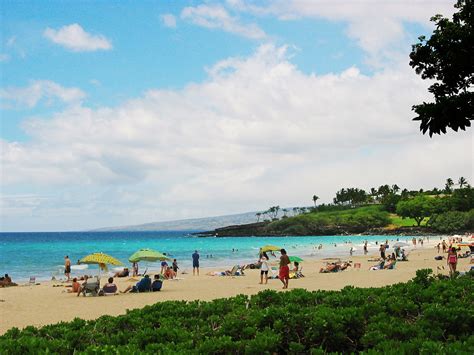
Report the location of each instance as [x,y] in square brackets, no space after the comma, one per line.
[32,280]
[91,287]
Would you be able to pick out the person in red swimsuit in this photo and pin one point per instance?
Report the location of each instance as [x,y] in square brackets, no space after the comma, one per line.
[284,274]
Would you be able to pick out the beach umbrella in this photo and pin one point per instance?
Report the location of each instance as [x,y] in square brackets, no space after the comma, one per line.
[147,255]
[465,244]
[295,258]
[269,248]
[400,244]
[460,245]
[100,258]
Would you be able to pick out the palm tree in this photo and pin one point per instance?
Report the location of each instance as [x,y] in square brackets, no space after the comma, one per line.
[373,192]
[462,181]
[449,184]
[258,215]
[315,198]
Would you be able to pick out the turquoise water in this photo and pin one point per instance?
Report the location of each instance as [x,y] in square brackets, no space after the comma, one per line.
[42,254]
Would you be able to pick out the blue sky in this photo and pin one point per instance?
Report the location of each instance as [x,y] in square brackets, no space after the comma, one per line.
[146,54]
[84,84]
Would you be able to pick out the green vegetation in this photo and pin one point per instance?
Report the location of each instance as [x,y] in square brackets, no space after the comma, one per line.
[427,315]
[452,221]
[356,211]
[352,220]
[417,208]
[398,221]
[446,60]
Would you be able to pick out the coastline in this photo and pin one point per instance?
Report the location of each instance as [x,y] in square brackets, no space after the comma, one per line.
[259,230]
[48,302]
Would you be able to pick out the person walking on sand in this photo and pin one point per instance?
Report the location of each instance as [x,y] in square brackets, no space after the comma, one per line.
[284,273]
[67,267]
[264,267]
[452,260]
[196,263]
[382,251]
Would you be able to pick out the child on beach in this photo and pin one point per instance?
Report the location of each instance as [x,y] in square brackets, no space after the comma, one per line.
[175,266]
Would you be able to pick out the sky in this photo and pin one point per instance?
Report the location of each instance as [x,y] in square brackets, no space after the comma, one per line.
[121,113]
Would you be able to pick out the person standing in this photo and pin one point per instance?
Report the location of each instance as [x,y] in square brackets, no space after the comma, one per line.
[452,260]
[264,267]
[175,266]
[284,268]
[134,269]
[365,248]
[164,266]
[67,267]
[382,251]
[196,263]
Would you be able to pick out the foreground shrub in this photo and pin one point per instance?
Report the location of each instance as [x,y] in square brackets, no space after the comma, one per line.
[427,315]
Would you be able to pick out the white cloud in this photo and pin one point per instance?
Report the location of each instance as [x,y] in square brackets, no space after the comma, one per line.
[74,37]
[30,96]
[168,20]
[216,16]
[377,26]
[257,132]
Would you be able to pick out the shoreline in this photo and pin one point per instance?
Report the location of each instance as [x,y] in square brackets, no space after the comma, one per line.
[49,302]
[303,246]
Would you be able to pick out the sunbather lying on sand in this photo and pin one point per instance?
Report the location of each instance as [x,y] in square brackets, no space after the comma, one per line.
[234,272]
[334,267]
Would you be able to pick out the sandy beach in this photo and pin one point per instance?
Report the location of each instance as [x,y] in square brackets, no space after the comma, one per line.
[50,303]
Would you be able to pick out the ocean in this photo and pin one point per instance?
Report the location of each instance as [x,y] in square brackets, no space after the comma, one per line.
[41,255]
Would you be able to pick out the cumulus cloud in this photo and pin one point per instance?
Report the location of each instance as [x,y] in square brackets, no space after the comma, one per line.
[168,20]
[257,132]
[30,96]
[216,16]
[74,37]
[377,26]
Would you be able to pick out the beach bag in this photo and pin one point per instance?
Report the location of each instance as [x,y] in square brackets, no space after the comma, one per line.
[439,257]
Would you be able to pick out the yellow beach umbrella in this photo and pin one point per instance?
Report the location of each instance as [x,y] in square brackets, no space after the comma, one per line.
[100,258]
[269,248]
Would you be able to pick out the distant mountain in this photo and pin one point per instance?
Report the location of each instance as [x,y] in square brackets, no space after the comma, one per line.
[197,224]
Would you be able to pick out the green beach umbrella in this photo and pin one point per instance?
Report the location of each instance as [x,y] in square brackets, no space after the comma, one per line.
[147,255]
[295,258]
